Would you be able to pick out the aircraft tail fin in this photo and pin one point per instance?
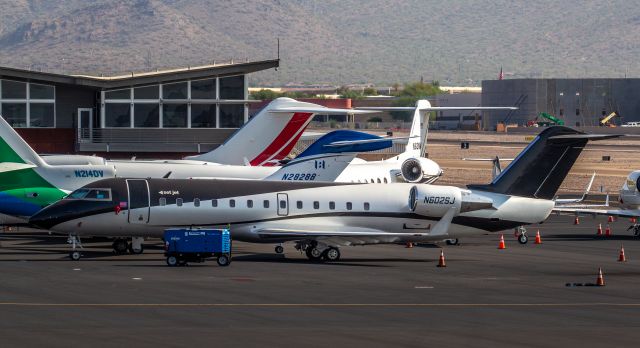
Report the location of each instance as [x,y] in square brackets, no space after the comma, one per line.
[270,135]
[539,170]
[14,149]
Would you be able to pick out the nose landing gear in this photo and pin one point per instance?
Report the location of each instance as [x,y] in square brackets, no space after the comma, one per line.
[522,235]
[75,243]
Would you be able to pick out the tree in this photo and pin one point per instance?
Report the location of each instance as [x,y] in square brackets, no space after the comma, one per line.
[264,94]
[410,94]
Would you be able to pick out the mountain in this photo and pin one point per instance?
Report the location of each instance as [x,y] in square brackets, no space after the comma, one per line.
[329,41]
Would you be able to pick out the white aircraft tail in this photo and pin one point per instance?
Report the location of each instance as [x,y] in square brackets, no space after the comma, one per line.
[270,135]
[416,146]
[323,167]
[14,149]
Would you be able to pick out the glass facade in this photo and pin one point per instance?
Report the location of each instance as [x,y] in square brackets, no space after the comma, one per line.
[205,103]
[25,104]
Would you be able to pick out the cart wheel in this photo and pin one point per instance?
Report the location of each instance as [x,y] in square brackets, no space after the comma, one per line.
[172,261]
[74,255]
[224,260]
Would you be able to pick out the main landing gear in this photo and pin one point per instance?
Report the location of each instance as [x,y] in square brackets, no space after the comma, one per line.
[454,241]
[75,243]
[121,246]
[522,235]
[279,249]
[316,252]
[636,230]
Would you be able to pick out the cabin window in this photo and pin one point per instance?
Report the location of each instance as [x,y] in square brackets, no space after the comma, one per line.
[283,204]
[385,180]
[214,203]
[366,206]
[196,202]
[265,203]
[232,203]
[373,181]
[316,205]
[349,206]
[163,201]
[299,204]
[179,202]
[91,194]
[249,203]
[332,205]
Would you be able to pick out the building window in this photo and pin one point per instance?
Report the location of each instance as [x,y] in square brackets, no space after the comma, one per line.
[204,89]
[27,104]
[231,115]
[232,203]
[149,93]
[15,114]
[13,90]
[316,205]
[146,115]
[174,115]
[41,92]
[117,115]
[232,87]
[42,115]
[203,115]
[265,204]
[214,203]
[332,205]
[175,91]
[196,202]
[249,203]
[179,202]
[121,94]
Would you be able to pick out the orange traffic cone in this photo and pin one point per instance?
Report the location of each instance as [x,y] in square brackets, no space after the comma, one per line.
[538,239]
[441,260]
[622,258]
[600,280]
[409,245]
[599,233]
[501,245]
[610,219]
[576,221]
[607,231]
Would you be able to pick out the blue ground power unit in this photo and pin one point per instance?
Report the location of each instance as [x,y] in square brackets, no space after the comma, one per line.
[183,245]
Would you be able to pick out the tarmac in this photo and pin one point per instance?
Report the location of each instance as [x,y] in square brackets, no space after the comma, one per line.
[382,295]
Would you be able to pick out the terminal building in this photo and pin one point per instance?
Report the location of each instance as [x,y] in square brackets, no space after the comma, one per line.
[169,112]
[578,102]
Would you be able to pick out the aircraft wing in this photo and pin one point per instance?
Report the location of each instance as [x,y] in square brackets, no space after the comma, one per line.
[353,236]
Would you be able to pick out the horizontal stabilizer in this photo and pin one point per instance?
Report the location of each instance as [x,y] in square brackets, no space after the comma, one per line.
[319,110]
[437,108]
[10,166]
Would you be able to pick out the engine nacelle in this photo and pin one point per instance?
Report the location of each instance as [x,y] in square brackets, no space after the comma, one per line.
[434,201]
[420,170]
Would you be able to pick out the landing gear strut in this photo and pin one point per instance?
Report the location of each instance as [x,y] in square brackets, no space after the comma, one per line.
[636,230]
[75,243]
[522,235]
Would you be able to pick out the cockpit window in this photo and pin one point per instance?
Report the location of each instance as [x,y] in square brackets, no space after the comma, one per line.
[96,194]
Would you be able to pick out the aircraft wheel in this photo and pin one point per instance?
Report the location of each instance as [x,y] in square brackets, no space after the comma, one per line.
[279,249]
[454,241]
[136,251]
[172,261]
[331,254]
[314,254]
[74,255]
[120,246]
[224,260]
[523,239]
